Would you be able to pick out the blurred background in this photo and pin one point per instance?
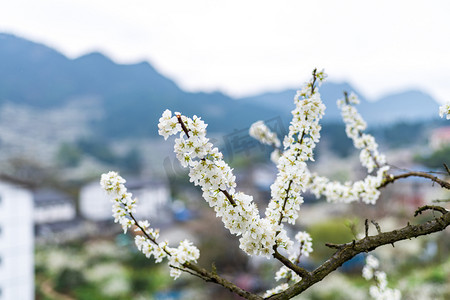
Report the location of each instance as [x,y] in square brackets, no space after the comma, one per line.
[83,84]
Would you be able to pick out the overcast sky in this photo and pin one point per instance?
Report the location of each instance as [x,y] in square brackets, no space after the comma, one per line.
[245,47]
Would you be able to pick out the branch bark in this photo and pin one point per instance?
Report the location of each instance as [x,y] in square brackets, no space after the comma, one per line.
[433,178]
[347,251]
[211,277]
[285,261]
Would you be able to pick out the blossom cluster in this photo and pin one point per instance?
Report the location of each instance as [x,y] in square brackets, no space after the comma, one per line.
[262,133]
[185,252]
[278,289]
[303,248]
[207,169]
[305,241]
[354,127]
[123,208]
[379,291]
[123,203]
[365,190]
[304,133]
[444,110]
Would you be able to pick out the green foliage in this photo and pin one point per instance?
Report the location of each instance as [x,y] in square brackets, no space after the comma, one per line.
[69,279]
[332,231]
[91,292]
[97,270]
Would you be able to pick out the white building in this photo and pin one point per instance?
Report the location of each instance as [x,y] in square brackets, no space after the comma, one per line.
[151,196]
[51,206]
[16,243]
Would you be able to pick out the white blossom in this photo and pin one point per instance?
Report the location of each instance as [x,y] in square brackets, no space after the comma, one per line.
[186,252]
[303,247]
[168,125]
[278,289]
[304,133]
[216,179]
[365,190]
[275,156]
[262,133]
[237,210]
[305,241]
[444,110]
[379,291]
[354,127]
[123,207]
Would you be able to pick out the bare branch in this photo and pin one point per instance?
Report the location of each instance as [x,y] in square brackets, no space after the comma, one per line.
[211,277]
[439,181]
[201,272]
[430,207]
[285,261]
[446,168]
[186,131]
[229,197]
[190,272]
[438,201]
[366,225]
[334,246]
[377,226]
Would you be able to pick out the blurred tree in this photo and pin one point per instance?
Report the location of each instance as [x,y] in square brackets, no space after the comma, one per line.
[68,155]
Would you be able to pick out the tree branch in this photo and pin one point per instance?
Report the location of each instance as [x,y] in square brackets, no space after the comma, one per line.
[446,168]
[347,251]
[430,207]
[285,261]
[203,273]
[433,178]
[186,131]
[211,277]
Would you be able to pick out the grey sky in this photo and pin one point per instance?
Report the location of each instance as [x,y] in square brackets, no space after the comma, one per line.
[245,47]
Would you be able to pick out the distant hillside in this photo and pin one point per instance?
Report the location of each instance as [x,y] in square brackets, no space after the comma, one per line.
[133,96]
[406,106]
[283,101]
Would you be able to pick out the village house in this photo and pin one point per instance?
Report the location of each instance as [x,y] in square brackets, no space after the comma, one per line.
[152,196]
[16,243]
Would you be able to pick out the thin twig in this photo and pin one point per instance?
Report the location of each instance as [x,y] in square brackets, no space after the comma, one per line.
[229,197]
[439,181]
[446,168]
[430,207]
[186,131]
[377,226]
[366,225]
[438,201]
[190,272]
[334,246]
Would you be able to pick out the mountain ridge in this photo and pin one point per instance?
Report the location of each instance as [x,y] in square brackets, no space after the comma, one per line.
[133,96]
